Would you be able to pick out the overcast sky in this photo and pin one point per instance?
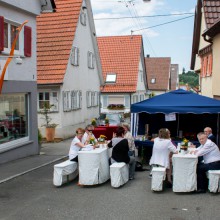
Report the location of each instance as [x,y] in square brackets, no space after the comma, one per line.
[169,40]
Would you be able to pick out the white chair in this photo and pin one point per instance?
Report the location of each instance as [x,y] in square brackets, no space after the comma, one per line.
[158,176]
[65,172]
[214,183]
[119,174]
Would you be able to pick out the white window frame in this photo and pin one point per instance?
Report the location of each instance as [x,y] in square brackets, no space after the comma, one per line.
[91,58]
[104,101]
[111,78]
[83,18]
[134,98]
[74,56]
[153,81]
[53,100]
[141,97]
[20,51]
[15,143]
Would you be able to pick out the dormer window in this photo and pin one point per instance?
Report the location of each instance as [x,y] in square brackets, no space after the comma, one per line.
[110,78]
[153,80]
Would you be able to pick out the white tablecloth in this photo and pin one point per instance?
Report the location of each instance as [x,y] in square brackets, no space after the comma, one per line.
[93,166]
[184,172]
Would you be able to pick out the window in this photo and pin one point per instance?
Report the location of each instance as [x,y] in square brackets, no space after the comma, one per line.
[135,98]
[89,98]
[48,99]
[110,78]
[96,99]
[9,36]
[8,32]
[13,117]
[83,18]
[127,101]
[105,101]
[92,98]
[90,60]
[74,57]
[76,100]
[141,97]
[141,75]
[153,80]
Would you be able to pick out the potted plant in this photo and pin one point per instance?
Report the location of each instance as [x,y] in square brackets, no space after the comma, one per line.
[39,137]
[50,127]
[93,122]
[106,121]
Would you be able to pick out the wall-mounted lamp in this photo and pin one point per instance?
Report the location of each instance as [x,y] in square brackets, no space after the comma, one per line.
[18,60]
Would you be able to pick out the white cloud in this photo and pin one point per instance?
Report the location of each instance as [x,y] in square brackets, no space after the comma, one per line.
[117,9]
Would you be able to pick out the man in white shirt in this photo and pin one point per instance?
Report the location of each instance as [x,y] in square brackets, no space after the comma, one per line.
[211,155]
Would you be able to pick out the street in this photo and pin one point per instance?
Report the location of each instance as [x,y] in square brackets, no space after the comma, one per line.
[33,196]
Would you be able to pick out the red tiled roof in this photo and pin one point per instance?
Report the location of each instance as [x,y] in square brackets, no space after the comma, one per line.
[158,68]
[55,34]
[211,11]
[120,55]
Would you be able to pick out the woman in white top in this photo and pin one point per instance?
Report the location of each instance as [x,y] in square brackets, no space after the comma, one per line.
[161,151]
[77,144]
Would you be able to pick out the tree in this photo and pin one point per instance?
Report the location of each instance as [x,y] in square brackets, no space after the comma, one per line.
[190,78]
[184,71]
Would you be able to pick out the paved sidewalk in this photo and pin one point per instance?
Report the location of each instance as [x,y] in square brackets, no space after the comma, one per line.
[50,153]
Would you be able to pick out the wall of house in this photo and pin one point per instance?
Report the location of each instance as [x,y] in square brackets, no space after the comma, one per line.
[78,78]
[206,86]
[141,88]
[21,78]
[16,71]
[202,43]
[216,66]
[32,6]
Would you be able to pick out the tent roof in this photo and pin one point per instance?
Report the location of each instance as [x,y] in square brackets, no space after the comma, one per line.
[178,101]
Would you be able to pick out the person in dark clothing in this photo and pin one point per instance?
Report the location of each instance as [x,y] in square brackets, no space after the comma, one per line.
[208,132]
[120,150]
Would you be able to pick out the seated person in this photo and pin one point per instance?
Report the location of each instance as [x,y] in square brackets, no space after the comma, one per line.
[130,139]
[77,144]
[208,132]
[211,155]
[88,132]
[161,152]
[120,149]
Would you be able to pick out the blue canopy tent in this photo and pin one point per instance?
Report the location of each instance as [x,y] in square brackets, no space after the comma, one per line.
[191,107]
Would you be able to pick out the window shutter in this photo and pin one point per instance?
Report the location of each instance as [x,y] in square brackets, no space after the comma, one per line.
[27,41]
[80,99]
[209,65]
[64,101]
[105,101]
[1,33]
[127,101]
